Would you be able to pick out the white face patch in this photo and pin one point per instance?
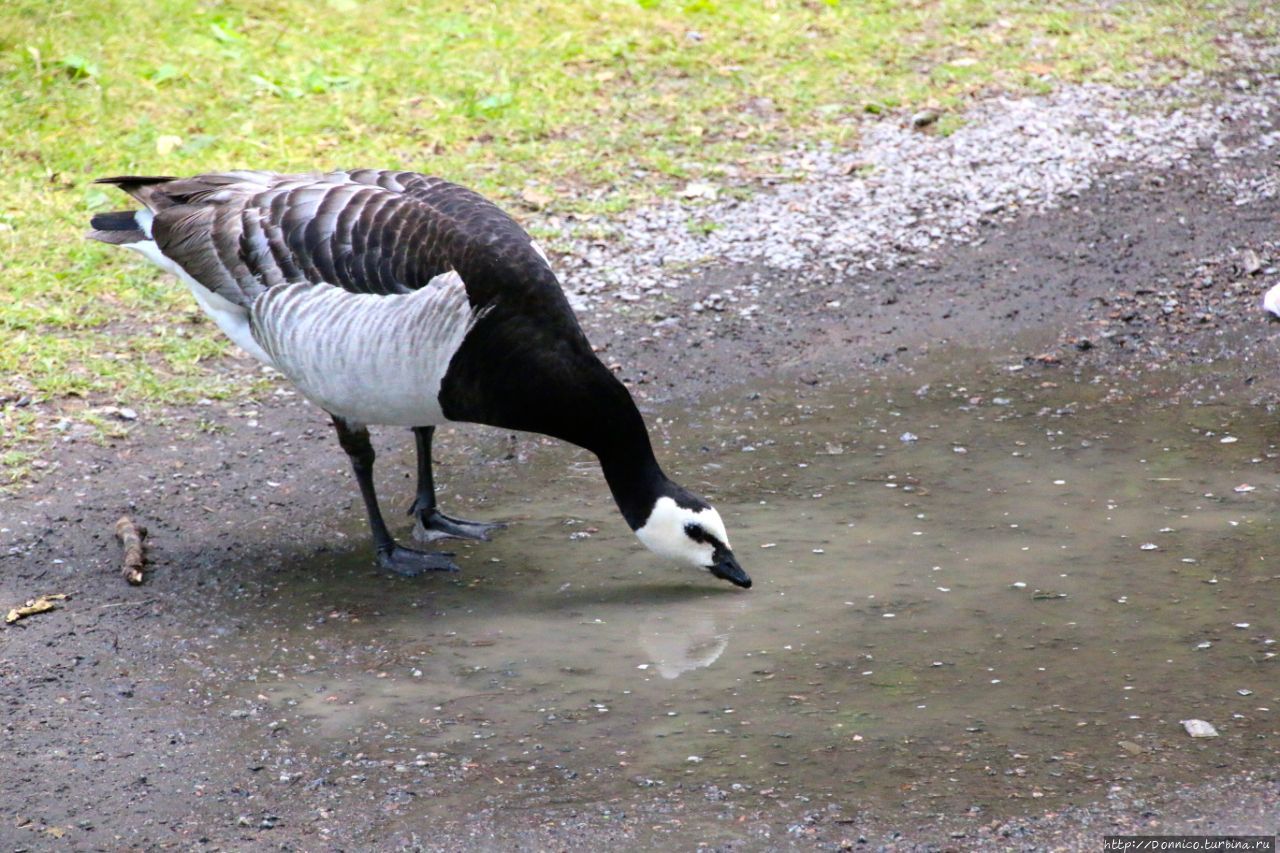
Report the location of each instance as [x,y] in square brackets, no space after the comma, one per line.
[664,533]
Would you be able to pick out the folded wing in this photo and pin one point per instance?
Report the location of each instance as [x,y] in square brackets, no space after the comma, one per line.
[366,231]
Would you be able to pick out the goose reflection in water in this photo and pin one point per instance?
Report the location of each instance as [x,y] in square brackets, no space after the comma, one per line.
[685,637]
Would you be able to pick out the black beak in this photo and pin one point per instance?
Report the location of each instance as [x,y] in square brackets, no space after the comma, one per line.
[727,568]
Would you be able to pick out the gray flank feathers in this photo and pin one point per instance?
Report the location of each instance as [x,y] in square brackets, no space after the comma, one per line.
[368,358]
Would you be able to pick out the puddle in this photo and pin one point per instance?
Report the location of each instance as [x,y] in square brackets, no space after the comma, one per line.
[1009,609]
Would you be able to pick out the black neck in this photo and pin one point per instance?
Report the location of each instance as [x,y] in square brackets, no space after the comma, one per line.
[574,398]
[515,373]
[636,482]
[612,428]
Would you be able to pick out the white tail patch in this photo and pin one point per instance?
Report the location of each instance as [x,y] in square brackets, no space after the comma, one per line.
[144,218]
[231,318]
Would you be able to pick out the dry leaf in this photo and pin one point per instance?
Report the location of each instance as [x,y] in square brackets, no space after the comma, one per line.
[698,189]
[33,606]
[166,145]
[535,198]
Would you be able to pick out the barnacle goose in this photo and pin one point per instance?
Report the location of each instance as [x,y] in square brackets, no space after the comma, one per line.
[396,298]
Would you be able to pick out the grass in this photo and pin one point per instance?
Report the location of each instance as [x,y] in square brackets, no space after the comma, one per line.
[596,105]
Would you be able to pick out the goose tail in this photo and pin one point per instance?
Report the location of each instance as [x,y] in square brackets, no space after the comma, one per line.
[147,190]
[130,226]
[121,227]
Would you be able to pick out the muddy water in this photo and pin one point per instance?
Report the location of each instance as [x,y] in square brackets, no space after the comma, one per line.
[989,598]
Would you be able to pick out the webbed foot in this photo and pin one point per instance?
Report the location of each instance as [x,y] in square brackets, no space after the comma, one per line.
[410,563]
[433,525]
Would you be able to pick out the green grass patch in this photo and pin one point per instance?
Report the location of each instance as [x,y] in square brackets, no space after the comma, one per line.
[596,105]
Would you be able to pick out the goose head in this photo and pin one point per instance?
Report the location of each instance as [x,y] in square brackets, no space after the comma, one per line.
[685,528]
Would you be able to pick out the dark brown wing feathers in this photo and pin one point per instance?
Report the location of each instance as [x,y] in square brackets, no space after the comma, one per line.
[369,231]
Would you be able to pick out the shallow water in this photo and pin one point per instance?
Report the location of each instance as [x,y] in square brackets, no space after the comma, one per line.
[1012,611]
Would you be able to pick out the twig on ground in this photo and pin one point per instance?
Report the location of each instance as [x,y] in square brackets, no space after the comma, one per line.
[131,536]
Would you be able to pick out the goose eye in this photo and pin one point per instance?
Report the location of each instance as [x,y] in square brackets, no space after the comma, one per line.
[697,533]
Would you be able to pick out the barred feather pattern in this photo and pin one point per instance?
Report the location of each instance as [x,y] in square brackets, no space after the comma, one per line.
[367,231]
[367,358]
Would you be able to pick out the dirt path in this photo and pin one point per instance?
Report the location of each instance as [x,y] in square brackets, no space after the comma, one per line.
[108,736]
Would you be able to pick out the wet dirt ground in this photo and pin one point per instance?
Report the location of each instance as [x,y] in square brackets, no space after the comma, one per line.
[995,569]
[1016,602]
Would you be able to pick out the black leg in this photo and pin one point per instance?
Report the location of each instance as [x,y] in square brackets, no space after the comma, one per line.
[432,523]
[393,557]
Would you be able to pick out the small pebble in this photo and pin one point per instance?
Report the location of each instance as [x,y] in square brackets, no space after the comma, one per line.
[1199,728]
[924,118]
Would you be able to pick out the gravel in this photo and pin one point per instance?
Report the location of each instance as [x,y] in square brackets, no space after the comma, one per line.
[905,190]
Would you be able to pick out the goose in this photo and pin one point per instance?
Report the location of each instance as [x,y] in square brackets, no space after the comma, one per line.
[400,299]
